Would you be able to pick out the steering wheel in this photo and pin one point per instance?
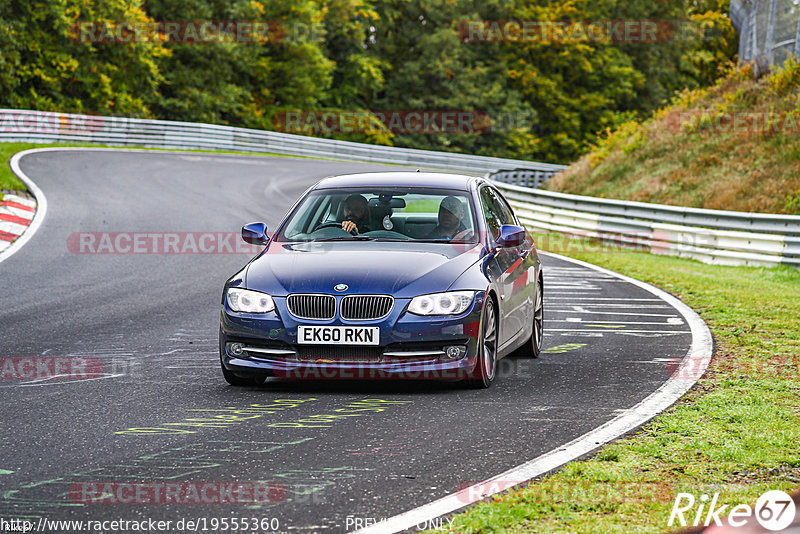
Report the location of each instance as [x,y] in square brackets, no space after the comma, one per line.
[332,224]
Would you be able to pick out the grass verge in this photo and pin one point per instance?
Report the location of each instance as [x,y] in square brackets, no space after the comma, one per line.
[736,432]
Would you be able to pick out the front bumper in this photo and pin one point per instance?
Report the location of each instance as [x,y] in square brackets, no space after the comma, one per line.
[410,346]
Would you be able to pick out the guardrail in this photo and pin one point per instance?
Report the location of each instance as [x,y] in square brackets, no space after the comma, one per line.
[46,127]
[711,236]
[523,177]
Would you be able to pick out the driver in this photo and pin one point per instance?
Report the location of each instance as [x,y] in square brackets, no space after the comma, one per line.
[451,215]
[356,214]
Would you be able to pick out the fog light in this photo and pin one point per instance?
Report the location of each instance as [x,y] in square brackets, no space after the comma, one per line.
[454,352]
[235,349]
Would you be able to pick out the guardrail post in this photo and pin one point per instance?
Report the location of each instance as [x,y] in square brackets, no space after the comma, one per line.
[770,40]
[797,40]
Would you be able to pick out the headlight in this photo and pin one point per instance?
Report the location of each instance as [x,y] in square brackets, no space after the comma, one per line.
[451,303]
[246,301]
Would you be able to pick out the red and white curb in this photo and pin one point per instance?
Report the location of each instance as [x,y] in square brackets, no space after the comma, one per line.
[16,214]
[20,217]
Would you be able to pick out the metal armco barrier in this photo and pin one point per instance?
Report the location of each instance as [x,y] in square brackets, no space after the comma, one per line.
[711,236]
[524,177]
[47,127]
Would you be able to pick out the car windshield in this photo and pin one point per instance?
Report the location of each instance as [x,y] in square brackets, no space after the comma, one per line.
[383,214]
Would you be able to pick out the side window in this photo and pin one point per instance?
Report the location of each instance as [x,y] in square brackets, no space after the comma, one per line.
[490,211]
[506,215]
[319,209]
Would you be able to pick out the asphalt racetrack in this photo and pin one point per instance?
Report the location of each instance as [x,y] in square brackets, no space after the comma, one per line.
[332,454]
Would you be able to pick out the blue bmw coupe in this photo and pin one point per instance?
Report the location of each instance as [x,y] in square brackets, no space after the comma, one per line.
[385,275]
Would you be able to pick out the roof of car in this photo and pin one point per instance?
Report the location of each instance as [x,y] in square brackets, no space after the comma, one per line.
[401,179]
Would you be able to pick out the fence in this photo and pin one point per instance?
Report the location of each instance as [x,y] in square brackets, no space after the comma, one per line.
[712,236]
[769,31]
[45,127]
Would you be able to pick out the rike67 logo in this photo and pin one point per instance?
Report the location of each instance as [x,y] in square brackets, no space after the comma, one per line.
[774,510]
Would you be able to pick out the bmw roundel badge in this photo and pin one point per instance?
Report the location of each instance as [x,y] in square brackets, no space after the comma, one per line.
[340,287]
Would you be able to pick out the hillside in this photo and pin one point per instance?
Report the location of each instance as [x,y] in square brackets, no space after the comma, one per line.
[733,146]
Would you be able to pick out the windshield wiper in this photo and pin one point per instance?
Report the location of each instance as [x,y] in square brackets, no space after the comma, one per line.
[351,238]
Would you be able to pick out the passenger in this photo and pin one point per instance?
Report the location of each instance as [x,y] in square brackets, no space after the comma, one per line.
[451,215]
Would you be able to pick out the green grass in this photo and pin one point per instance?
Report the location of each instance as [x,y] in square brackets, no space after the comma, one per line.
[422,206]
[737,432]
[7,178]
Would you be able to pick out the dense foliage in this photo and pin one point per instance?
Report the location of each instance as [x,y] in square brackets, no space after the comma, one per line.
[547,99]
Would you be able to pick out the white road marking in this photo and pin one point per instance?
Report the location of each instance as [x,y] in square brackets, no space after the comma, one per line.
[622,331]
[76,381]
[607,306]
[581,320]
[601,298]
[611,313]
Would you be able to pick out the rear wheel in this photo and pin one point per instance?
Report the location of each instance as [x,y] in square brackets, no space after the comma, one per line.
[486,367]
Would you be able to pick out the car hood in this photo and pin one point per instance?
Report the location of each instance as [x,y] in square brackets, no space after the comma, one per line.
[400,269]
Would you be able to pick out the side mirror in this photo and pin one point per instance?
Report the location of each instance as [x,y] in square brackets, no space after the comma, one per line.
[511,236]
[255,233]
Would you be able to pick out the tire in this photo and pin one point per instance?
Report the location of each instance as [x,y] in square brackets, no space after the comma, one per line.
[238,379]
[486,368]
[533,347]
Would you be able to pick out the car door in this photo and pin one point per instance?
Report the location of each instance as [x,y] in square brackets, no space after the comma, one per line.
[525,275]
[507,270]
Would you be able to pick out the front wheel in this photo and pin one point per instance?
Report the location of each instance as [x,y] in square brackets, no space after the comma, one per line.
[241,379]
[486,368]
[533,347]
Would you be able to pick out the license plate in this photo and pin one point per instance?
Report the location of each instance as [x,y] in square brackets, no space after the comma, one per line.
[338,335]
